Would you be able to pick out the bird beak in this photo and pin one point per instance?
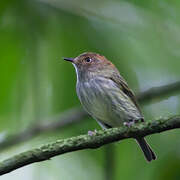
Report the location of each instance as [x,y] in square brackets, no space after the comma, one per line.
[69,59]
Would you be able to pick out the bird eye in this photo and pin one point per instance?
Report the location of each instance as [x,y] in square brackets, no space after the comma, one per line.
[88,59]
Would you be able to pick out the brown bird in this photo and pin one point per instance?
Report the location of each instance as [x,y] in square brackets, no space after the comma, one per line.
[105,95]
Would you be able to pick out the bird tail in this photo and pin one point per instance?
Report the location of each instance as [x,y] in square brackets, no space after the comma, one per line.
[148,152]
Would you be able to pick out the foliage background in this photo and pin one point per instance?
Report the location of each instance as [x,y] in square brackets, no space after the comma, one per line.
[140,37]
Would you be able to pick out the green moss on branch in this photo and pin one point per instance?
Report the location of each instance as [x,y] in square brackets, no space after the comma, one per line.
[101,138]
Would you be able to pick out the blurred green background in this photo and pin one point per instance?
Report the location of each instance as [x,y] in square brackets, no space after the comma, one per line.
[142,38]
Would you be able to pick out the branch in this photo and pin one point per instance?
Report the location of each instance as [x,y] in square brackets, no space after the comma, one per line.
[81,142]
[158,93]
[67,118]
[77,114]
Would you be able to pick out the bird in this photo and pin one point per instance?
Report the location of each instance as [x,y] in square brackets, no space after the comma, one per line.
[106,96]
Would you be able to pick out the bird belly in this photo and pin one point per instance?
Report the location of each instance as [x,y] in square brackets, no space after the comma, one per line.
[107,103]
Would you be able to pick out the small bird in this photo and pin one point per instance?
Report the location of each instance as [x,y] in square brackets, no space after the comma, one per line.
[105,95]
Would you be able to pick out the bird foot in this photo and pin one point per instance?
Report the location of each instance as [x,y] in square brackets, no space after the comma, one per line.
[92,133]
[132,122]
[129,124]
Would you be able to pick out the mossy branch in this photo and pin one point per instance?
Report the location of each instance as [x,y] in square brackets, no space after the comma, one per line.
[63,120]
[81,142]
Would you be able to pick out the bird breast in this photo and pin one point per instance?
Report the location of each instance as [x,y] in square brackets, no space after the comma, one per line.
[106,102]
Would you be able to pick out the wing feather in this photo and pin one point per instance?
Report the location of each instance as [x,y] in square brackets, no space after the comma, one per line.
[122,84]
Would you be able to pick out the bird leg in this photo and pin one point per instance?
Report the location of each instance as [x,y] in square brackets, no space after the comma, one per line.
[129,124]
[132,122]
[92,133]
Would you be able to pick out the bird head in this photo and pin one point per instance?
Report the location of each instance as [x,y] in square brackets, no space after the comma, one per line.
[91,63]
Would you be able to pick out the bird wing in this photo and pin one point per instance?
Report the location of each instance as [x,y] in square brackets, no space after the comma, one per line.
[122,84]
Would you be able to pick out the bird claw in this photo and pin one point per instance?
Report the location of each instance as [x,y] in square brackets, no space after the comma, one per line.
[132,122]
[129,124]
[92,133]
